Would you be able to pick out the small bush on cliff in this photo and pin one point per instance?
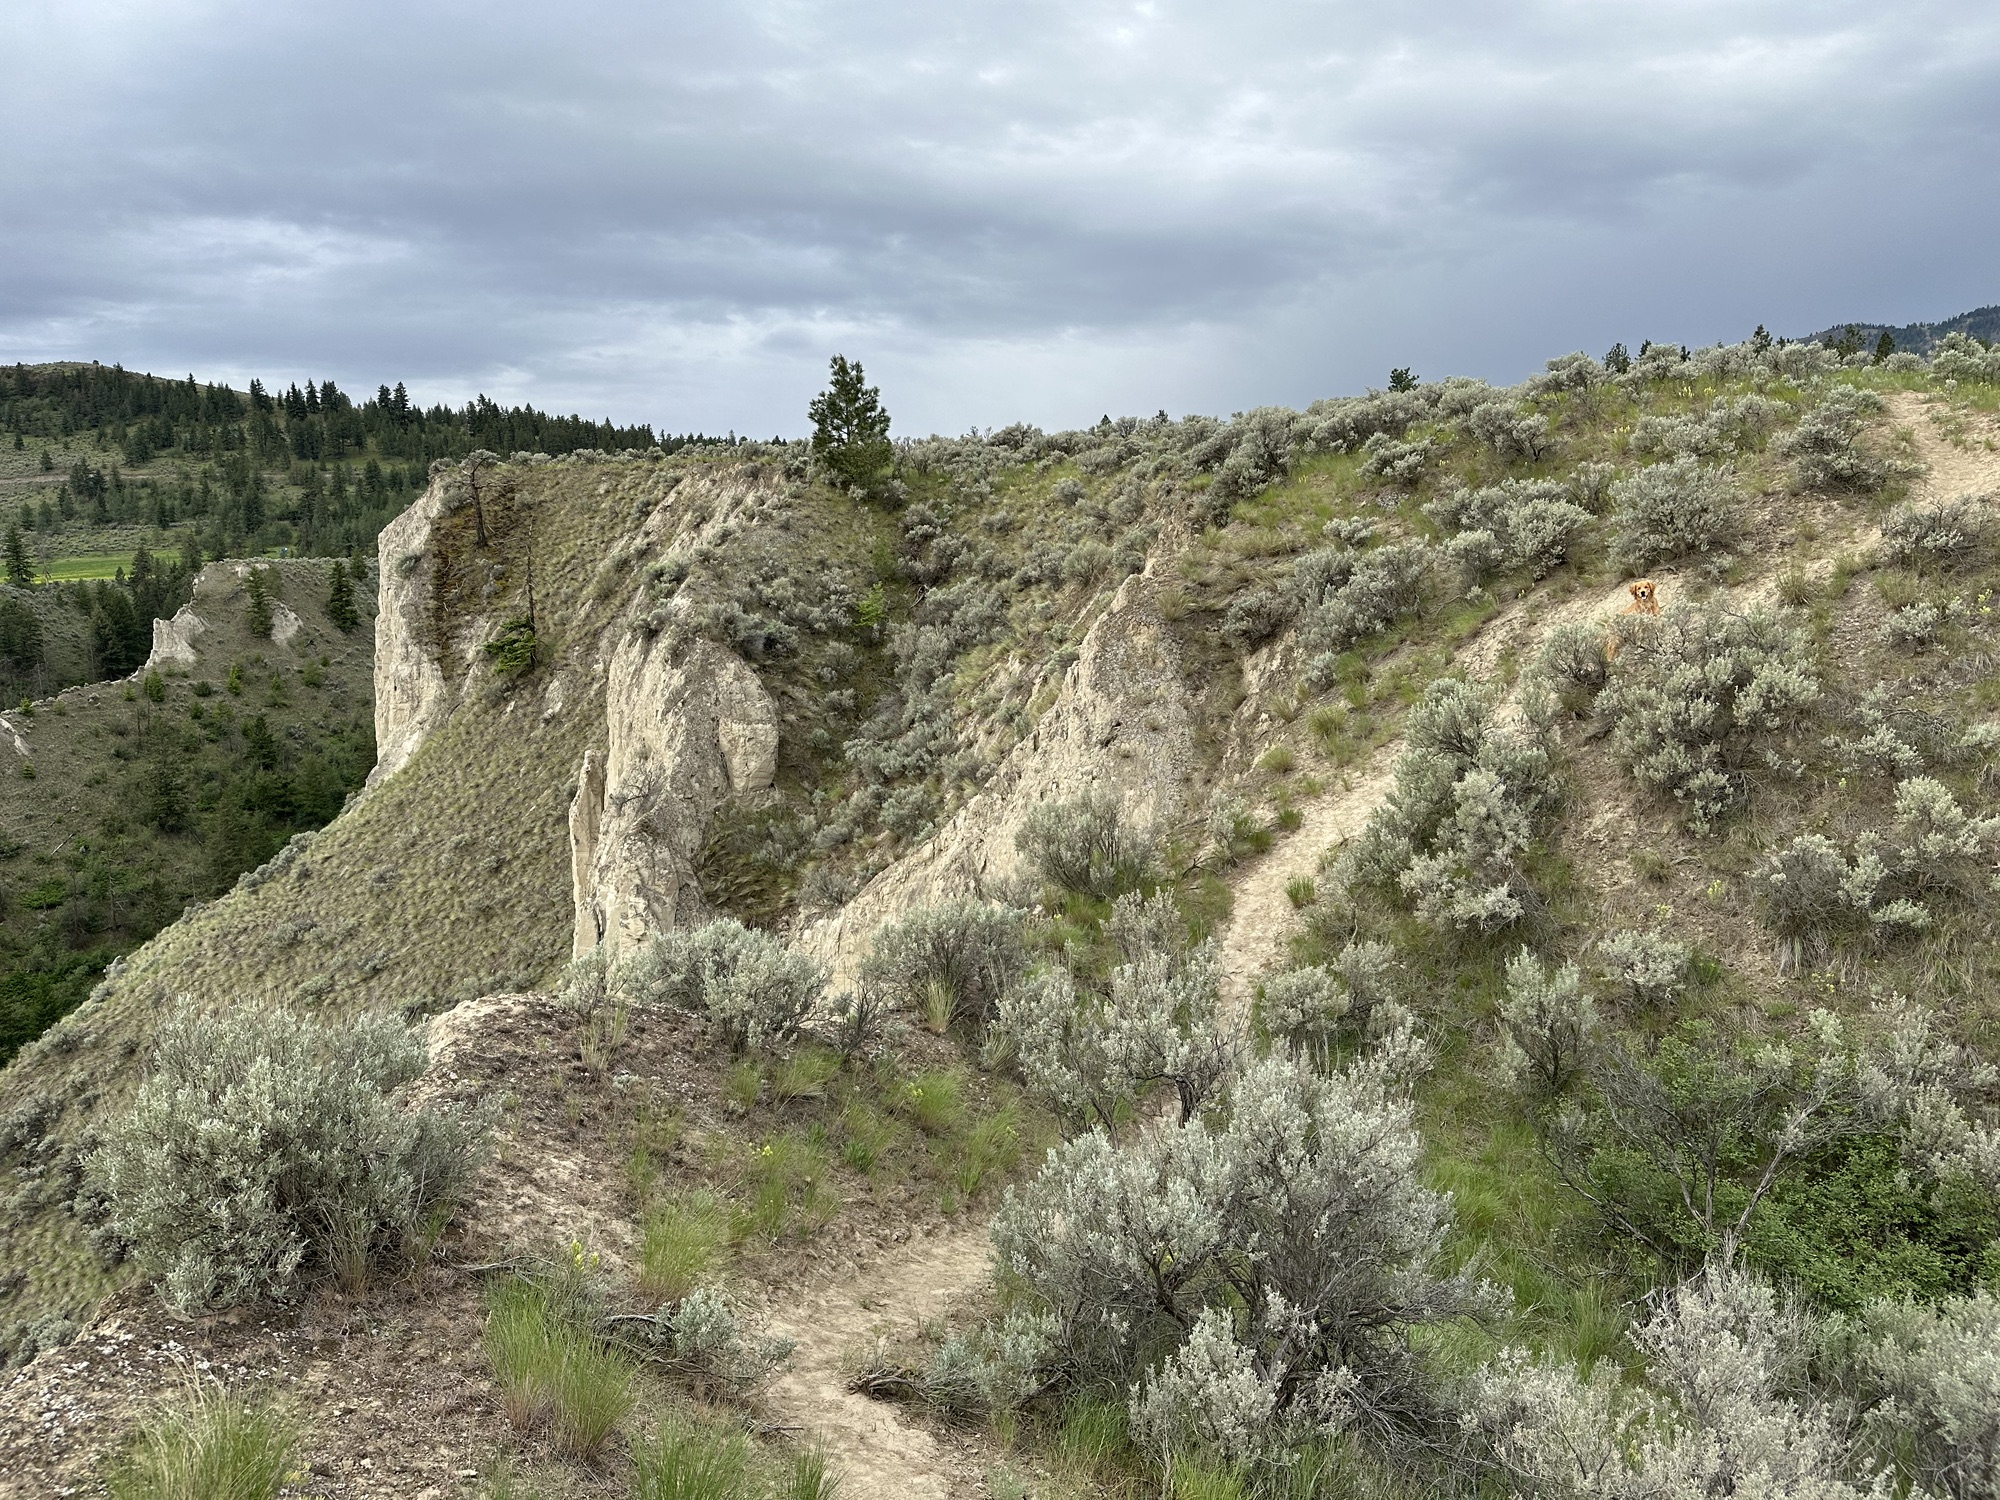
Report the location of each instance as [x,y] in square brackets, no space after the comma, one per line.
[953,960]
[265,1148]
[1085,846]
[1470,797]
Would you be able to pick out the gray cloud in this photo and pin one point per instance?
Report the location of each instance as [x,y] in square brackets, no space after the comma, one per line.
[1025,210]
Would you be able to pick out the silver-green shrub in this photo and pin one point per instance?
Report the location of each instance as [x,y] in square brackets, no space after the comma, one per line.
[1651,968]
[1527,524]
[1346,596]
[1925,537]
[1470,798]
[1315,1003]
[1157,1021]
[266,1148]
[1928,1378]
[1399,462]
[1085,845]
[1700,701]
[1549,1024]
[1717,1415]
[1824,448]
[1296,1236]
[1959,357]
[1671,510]
[969,951]
[1573,664]
[757,991]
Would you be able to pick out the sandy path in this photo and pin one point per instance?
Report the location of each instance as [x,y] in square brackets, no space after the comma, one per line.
[882,1455]
[1262,917]
[1955,472]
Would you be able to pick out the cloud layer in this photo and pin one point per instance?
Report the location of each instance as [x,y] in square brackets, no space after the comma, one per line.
[1029,210]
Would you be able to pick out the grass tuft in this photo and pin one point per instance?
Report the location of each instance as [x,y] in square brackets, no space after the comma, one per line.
[681,1245]
[210,1446]
[684,1460]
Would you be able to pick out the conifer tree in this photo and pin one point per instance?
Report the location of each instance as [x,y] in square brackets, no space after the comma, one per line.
[20,567]
[850,427]
[260,603]
[1885,346]
[340,598]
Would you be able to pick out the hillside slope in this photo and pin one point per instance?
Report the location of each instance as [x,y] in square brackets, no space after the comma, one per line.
[131,799]
[621,695]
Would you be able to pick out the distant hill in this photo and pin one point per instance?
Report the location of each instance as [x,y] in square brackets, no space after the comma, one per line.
[1983,323]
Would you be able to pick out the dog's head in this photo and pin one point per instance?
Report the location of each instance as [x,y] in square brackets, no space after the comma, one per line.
[1645,594]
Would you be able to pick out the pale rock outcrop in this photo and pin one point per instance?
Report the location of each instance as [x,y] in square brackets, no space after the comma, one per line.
[284,624]
[1120,725]
[412,695]
[688,725]
[173,640]
[11,733]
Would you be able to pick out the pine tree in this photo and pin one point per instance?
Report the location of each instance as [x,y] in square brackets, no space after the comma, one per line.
[1885,346]
[1761,339]
[1617,361]
[20,567]
[340,599]
[1400,379]
[850,427]
[260,603]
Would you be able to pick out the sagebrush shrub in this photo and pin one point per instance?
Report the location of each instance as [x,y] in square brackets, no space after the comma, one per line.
[1347,596]
[1085,845]
[1959,357]
[1509,431]
[1929,1378]
[1398,462]
[1573,664]
[1671,510]
[1520,524]
[265,1148]
[1825,449]
[1470,798]
[960,952]
[1698,702]
[1156,1021]
[1549,1024]
[1256,616]
[1651,968]
[1924,537]
[757,991]
[1296,1235]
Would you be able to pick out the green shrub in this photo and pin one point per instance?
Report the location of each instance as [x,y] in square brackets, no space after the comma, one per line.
[1824,448]
[959,954]
[1700,701]
[1928,537]
[1470,798]
[211,1445]
[264,1148]
[756,990]
[1085,846]
[1672,510]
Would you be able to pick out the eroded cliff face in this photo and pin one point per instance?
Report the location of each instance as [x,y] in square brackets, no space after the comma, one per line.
[689,725]
[412,694]
[1120,725]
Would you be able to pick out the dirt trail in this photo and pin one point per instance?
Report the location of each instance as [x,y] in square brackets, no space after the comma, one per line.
[1261,915]
[1956,472]
[882,1455]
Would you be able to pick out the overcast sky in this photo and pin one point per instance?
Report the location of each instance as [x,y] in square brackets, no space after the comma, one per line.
[1023,211]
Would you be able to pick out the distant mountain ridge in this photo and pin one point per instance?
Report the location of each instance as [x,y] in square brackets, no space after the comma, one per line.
[1983,323]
